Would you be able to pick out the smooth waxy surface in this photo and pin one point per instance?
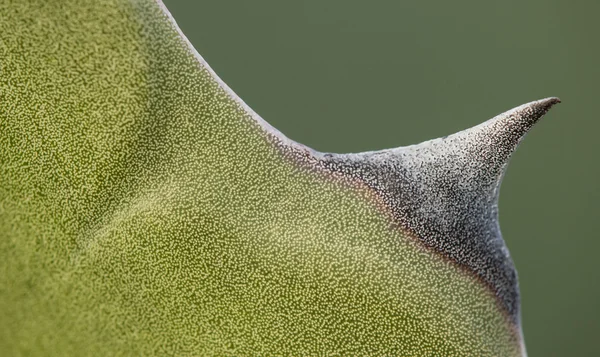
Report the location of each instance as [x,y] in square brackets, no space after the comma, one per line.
[144,209]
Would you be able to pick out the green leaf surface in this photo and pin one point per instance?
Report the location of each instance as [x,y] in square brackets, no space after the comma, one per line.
[146,210]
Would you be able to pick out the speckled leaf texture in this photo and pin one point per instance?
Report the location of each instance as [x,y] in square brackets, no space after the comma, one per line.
[146,210]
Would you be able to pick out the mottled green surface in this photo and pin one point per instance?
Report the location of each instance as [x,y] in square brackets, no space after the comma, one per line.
[143,211]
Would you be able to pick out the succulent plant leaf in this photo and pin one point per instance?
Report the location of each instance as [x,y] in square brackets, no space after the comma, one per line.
[145,209]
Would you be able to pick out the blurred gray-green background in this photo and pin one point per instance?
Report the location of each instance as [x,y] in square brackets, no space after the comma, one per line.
[347,76]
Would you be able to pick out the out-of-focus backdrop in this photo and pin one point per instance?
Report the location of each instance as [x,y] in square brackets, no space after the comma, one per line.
[348,76]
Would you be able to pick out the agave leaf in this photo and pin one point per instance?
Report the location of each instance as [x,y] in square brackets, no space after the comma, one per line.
[145,209]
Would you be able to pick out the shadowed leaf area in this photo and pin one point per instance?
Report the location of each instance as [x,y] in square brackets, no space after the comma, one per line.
[146,210]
